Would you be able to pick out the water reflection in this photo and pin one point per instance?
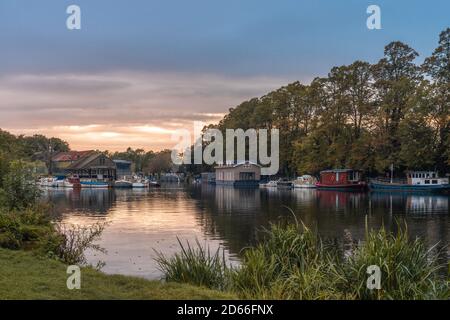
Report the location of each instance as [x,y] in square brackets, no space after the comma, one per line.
[143,220]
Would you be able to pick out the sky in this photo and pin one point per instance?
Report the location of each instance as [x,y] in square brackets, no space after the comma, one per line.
[138,70]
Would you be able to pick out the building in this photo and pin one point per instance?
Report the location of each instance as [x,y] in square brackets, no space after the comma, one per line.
[62,160]
[123,168]
[244,174]
[95,165]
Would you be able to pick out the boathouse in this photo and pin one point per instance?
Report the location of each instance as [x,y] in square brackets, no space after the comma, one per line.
[62,160]
[96,165]
[123,168]
[243,174]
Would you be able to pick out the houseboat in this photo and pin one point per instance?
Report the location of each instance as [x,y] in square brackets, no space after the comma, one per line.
[341,179]
[243,174]
[416,181]
[305,181]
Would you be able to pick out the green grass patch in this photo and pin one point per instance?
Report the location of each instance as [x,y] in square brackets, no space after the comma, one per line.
[26,275]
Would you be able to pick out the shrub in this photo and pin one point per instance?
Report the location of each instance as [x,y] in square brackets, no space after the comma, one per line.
[19,189]
[72,241]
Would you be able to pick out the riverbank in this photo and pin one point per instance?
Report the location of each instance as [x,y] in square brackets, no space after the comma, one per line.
[25,275]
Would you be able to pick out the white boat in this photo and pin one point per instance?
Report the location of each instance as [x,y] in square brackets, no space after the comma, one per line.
[305,181]
[48,182]
[140,184]
[270,184]
[123,184]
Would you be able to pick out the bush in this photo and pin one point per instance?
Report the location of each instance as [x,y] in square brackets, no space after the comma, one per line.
[72,241]
[24,228]
[19,189]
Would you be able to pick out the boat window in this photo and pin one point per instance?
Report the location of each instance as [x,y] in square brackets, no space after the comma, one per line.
[433,175]
[427,181]
[434,181]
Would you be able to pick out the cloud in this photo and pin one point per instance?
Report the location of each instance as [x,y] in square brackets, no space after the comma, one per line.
[115,110]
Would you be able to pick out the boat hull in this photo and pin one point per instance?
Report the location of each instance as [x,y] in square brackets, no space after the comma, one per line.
[123,184]
[305,186]
[93,184]
[380,186]
[342,187]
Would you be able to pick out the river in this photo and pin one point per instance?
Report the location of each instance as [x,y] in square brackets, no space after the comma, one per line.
[142,221]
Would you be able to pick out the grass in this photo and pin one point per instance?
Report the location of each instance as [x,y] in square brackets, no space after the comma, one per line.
[195,265]
[292,262]
[25,275]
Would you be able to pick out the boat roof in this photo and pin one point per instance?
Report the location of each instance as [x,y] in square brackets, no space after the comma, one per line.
[234,165]
[338,170]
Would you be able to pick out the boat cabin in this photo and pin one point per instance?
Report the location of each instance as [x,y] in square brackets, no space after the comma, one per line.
[425,177]
[340,177]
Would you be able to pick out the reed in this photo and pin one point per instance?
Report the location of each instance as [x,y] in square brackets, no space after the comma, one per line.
[292,262]
[408,269]
[195,265]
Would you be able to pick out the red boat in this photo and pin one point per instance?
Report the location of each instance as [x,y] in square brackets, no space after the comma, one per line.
[341,179]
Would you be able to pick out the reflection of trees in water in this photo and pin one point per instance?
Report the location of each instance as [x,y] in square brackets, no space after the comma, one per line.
[86,201]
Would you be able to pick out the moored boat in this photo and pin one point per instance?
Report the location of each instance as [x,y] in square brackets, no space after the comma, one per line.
[90,183]
[123,184]
[270,184]
[154,184]
[285,184]
[305,181]
[341,179]
[416,181]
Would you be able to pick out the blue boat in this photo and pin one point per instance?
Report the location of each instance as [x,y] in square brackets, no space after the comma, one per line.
[93,184]
[416,181]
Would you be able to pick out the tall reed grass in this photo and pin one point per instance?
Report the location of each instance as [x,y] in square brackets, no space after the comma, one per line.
[292,262]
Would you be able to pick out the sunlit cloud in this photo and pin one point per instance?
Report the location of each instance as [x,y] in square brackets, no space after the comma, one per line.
[115,110]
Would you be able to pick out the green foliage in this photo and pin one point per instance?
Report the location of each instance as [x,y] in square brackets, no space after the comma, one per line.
[19,190]
[195,265]
[409,270]
[361,115]
[25,228]
[70,242]
[293,263]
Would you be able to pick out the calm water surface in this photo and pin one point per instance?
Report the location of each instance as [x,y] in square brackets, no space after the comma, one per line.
[141,221]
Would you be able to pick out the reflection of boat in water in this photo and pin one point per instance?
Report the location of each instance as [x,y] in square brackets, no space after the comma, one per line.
[341,179]
[422,204]
[305,181]
[416,181]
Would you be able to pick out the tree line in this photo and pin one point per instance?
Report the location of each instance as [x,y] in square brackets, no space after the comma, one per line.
[363,116]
